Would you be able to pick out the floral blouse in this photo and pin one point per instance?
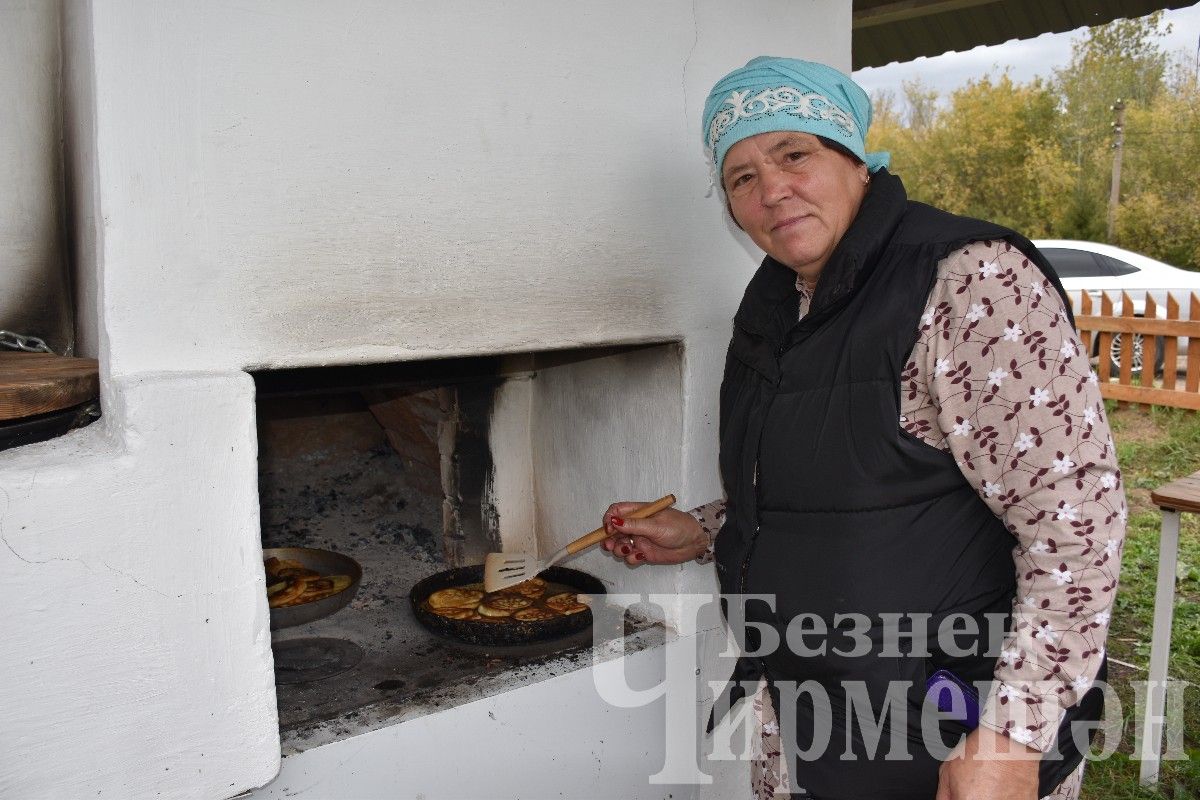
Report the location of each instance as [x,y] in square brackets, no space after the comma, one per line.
[998,377]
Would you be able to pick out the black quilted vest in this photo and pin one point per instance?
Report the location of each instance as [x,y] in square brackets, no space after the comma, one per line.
[833,507]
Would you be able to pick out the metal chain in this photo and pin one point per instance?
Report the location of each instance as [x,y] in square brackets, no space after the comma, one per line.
[29,344]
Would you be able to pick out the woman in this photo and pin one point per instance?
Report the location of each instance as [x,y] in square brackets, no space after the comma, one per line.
[910,430]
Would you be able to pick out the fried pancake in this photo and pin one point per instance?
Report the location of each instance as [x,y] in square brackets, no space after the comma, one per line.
[288,595]
[502,604]
[455,613]
[296,572]
[533,588]
[534,614]
[565,603]
[455,597]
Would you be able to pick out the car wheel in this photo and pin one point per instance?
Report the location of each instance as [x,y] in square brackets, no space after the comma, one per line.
[1114,354]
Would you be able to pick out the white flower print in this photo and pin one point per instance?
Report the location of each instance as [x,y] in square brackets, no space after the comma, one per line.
[976,313]
[1109,481]
[1021,735]
[1045,634]
[1081,683]
[1062,576]
[1102,618]
[1063,465]
[927,318]
[1030,601]
[1038,396]
[1036,289]
[1123,514]
[1039,547]
[1010,655]
[1093,378]
[962,428]
[991,489]
[1067,511]
[1089,417]
[989,268]
[1111,546]
[1013,333]
[1006,692]
[771,728]
[996,377]
[1024,442]
[942,366]
[1067,350]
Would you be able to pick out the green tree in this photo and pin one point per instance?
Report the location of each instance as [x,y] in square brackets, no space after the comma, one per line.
[1123,59]
[1159,194]
[992,153]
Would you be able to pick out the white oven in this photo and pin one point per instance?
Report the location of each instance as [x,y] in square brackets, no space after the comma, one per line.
[372,200]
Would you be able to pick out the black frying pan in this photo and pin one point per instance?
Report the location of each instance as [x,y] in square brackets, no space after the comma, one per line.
[511,632]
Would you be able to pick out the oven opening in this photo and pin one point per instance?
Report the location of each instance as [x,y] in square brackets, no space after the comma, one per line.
[413,468]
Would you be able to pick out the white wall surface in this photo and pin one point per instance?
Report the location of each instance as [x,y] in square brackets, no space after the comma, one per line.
[137,656]
[34,290]
[301,183]
[292,183]
[555,739]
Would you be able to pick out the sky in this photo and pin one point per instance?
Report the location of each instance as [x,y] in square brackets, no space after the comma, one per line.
[1024,59]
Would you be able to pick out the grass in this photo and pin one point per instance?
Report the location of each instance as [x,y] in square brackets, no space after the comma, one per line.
[1154,446]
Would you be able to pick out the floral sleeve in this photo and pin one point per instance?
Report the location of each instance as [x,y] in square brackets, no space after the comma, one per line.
[710,516]
[998,377]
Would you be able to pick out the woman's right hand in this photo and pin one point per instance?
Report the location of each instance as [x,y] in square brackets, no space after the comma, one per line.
[669,537]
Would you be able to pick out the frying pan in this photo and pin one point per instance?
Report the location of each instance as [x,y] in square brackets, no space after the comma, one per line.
[325,562]
[510,632]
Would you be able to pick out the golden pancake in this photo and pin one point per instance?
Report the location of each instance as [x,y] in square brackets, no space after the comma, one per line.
[455,597]
[534,614]
[454,613]
[506,602]
[534,588]
[565,603]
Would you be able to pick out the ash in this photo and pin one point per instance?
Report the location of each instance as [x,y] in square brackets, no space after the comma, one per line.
[329,479]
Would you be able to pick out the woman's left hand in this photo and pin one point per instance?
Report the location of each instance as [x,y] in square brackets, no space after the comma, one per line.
[989,764]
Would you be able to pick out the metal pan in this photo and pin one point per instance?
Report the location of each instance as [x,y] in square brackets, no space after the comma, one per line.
[325,562]
[511,632]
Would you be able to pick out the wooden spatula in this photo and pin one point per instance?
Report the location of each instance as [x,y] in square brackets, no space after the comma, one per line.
[501,570]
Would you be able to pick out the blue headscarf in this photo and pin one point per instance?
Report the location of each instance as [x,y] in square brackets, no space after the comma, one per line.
[786,94]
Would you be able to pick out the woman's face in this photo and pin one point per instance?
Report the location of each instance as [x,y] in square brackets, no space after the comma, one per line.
[794,196]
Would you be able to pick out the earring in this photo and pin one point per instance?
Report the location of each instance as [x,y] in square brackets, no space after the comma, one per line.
[866,179]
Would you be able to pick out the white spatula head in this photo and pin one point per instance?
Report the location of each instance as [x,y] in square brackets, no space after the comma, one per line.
[502,570]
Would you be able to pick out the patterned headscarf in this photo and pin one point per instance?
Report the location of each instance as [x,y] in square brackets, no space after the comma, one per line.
[786,94]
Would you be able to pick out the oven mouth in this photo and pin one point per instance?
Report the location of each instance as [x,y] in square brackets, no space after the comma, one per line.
[415,469]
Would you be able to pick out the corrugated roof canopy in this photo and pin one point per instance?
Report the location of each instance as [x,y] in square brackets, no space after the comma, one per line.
[901,30]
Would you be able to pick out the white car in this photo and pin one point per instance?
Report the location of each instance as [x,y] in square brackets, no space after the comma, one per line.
[1101,268]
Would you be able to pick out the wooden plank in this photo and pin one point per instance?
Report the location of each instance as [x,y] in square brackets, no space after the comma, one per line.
[1192,379]
[38,383]
[1126,377]
[1158,397]
[1106,311]
[1085,310]
[1149,346]
[1180,495]
[1157,327]
[1171,348]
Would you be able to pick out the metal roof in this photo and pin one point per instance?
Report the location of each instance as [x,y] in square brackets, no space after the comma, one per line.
[901,30]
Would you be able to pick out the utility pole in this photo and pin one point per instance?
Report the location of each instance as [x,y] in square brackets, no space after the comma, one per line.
[1114,196]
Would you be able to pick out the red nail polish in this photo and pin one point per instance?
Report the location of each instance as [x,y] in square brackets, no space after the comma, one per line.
[618,521]
[640,556]
[624,549]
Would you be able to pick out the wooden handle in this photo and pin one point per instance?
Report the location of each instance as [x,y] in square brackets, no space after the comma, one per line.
[599,535]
